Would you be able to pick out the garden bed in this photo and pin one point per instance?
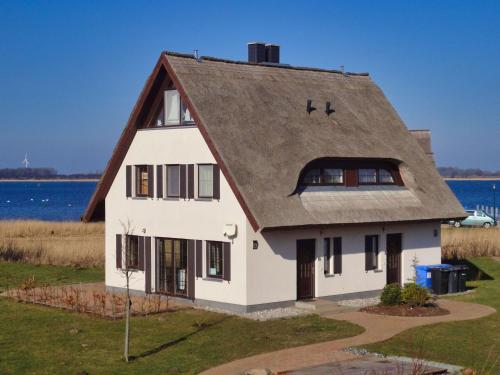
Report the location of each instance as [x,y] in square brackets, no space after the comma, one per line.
[92,299]
[406,310]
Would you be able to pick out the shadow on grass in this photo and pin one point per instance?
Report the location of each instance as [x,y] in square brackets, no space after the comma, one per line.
[178,340]
[474,273]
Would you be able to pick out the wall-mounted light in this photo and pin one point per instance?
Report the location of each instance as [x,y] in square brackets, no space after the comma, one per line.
[255,244]
[310,107]
[329,110]
[143,230]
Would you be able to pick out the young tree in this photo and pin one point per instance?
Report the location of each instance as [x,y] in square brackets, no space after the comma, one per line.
[127,273]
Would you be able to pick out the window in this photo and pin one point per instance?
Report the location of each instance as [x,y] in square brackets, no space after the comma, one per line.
[173,181]
[367,176]
[324,176]
[205,180]
[214,259]
[132,252]
[385,176]
[174,111]
[371,252]
[327,256]
[141,178]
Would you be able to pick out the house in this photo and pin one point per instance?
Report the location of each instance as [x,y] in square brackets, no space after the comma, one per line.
[249,185]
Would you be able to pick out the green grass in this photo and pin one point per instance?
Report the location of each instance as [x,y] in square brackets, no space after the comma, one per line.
[474,343]
[13,274]
[37,340]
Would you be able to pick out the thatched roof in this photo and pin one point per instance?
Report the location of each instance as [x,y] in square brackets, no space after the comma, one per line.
[255,120]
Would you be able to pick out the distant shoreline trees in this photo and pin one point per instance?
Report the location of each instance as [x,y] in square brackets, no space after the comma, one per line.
[453,172]
[42,173]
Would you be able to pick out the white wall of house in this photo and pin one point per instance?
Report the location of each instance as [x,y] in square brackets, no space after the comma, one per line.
[271,269]
[176,218]
[263,275]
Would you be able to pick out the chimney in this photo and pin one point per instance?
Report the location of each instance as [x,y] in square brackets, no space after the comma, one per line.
[256,52]
[273,53]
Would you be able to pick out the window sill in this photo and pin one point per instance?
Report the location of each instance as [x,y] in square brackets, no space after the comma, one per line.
[218,279]
[140,198]
[328,275]
[378,270]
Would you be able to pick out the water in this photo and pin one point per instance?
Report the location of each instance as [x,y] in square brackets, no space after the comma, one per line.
[67,200]
[473,193]
[64,201]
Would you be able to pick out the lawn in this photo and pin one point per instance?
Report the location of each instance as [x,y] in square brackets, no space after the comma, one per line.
[40,340]
[474,343]
[12,274]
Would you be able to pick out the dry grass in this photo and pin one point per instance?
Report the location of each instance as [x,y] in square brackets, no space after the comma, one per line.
[459,243]
[57,243]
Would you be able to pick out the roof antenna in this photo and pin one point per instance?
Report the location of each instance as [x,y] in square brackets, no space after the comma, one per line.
[329,110]
[310,107]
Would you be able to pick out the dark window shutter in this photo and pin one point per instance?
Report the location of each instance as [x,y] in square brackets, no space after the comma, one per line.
[182,177]
[151,181]
[226,250]
[337,255]
[368,254]
[199,258]
[147,268]
[207,258]
[216,177]
[191,268]
[190,173]
[351,177]
[118,251]
[141,253]
[159,181]
[128,178]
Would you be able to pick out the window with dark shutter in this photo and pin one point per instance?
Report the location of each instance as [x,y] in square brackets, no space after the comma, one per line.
[140,264]
[147,264]
[128,180]
[118,251]
[151,178]
[216,177]
[132,252]
[159,181]
[142,183]
[215,259]
[371,252]
[227,260]
[337,255]
[191,256]
[173,190]
[199,258]
[190,178]
[326,256]
[182,181]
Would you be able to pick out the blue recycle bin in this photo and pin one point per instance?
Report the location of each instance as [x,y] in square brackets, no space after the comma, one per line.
[424,278]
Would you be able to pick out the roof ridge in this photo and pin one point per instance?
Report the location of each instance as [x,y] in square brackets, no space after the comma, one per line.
[269,65]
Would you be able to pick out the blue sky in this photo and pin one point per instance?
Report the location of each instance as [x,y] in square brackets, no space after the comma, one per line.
[70,72]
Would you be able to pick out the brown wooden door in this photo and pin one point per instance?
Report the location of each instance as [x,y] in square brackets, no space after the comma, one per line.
[394,248]
[305,268]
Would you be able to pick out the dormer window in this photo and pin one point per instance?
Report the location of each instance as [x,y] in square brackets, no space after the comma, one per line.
[324,176]
[173,111]
[350,173]
[375,176]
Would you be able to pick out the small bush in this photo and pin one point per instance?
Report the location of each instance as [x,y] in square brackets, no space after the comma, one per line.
[414,295]
[391,295]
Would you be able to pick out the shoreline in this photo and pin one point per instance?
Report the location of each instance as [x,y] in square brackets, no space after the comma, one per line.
[51,180]
[471,178]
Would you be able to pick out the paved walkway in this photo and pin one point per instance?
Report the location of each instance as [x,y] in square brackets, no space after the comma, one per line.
[377,328]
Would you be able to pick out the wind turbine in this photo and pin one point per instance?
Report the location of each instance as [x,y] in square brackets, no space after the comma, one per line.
[25,161]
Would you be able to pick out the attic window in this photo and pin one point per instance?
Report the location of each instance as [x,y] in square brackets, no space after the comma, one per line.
[324,176]
[173,111]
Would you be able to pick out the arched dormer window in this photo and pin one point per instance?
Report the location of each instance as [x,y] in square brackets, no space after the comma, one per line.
[350,172]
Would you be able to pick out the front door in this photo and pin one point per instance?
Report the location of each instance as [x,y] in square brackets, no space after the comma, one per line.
[394,248]
[305,268]
[171,267]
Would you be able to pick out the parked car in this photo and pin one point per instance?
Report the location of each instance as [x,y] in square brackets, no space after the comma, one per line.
[476,218]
